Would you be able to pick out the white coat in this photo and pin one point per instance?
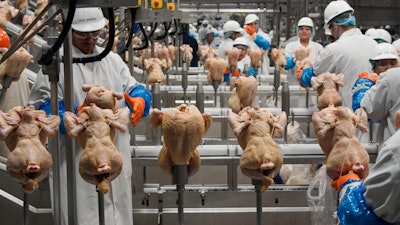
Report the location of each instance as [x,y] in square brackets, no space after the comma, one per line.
[349,55]
[316,48]
[252,45]
[110,72]
[382,186]
[225,45]
[244,61]
[382,101]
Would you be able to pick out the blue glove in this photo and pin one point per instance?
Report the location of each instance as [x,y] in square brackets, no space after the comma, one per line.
[227,77]
[253,72]
[352,208]
[141,91]
[46,106]
[261,42]
[289,62]
[359,88]
[306,75]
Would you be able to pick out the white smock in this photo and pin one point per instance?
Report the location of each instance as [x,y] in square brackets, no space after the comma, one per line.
[349,55]
[252,45]
[110,72]
[243,62]
[316,48]
[382,186]
[225,45]
[382,101]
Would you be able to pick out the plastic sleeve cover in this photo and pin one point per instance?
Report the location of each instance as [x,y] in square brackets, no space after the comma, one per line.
[227,77]
[261,42]
[353,210]
[306,76]
[253,72]
[289,62]
[361,86]
[141,91]
[46,106]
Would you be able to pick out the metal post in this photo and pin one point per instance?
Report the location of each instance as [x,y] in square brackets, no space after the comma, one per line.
[257,186]
[185,78]
[215,86]
[277,82]
[285,103]
[200,97]
[156,105]
[100,196]
[180,178]
[26,209]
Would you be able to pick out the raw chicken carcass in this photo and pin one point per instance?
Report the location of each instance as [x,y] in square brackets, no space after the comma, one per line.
[205,52]
[7,12]
[154,70]
[244,94]
[278,56]
[216,68]
[256,56]
[187,53]
[25,132]
[255,129]
[335,128]
[327,86]
[302,57]
[15,64]
[233,57]
[183,128]
[94,128]
[104,98]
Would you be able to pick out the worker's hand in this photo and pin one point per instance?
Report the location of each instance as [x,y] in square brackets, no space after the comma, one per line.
[137,105]
[304,76]
[371,76]
[290,62]
[236,72]
[253,71]
[250,30]
[345,179]
[80,107]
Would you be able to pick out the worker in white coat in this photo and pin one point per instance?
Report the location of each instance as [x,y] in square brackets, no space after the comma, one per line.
[232,30]
[349,54]
[257,39]
[244,59]
[111,72]
[305,31]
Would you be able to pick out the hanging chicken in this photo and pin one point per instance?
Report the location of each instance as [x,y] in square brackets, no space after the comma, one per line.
[25,132]
[244,94]
[183,128]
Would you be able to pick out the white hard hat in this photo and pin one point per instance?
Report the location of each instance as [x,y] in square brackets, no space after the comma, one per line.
[334,9]
[205,22]
[210,30]
[240,41]
[251,18]
[305,21]
[396,44]
[232,25]
[383,35]
[384,51]
[370,32]
[328,31]
[88,19]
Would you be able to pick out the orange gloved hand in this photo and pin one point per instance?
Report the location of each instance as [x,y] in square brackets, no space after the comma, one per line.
[338,183]
[137,105]
[79,108]
[299,73]
[236,73]
[372,76]
[250,30]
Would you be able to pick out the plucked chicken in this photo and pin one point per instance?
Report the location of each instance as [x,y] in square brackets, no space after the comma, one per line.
[183,128]
[335,128]
[244,94]
[15,64]
[256,56]
[233,57]
[25,132]
[7,12]
[187,53]
[154,70]
[327,86]
[216,68]
[255,129]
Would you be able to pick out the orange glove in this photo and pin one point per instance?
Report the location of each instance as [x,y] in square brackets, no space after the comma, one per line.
[372,76]
[250,30]
[79,108]
[337,184]
[236,73]
[299,73]
[137,104]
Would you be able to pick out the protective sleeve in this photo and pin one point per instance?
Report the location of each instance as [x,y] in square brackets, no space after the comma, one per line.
[359,88]
[262,42]
[253,72]
[46,106]
[141,91]
[306,76]
[289,62]
[353,210]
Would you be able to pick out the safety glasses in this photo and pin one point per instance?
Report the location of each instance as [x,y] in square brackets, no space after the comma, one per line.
[85,35]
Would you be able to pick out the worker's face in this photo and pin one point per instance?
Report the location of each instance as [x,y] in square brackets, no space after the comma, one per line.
[236,35]
[255,25]
[85,41]
[210,38]
[305,32]
[384,64]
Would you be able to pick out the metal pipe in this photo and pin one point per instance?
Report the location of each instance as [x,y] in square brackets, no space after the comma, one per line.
[285,103]
[200,97]
[156,105]
[215,86]
[100,196]
[180,178]
[277,82]
[185,66]
[257,187]
[26,208]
